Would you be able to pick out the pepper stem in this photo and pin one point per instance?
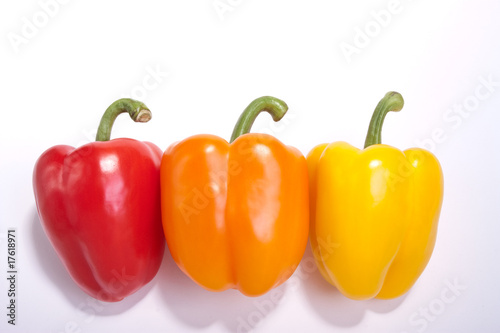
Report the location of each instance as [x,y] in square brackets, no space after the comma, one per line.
[274,106]
[392,101]
[137,111]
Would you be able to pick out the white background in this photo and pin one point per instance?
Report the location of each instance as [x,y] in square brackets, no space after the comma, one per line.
[58,76]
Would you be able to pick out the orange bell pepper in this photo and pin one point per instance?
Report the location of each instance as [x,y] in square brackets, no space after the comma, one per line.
[236,215]
[379,207]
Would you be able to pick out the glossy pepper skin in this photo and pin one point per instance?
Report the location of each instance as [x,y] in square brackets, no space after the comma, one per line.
[374,212]
[100,208]
[235,215]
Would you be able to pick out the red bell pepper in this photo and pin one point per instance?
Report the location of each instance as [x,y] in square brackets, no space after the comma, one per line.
[100,208]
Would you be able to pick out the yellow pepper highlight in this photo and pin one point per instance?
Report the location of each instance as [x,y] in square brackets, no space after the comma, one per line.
[380,208]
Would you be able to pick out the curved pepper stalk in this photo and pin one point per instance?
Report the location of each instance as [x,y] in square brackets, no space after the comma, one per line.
[138,112]
[274,106]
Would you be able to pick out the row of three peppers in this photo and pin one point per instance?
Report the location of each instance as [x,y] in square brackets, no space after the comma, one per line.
[238,215]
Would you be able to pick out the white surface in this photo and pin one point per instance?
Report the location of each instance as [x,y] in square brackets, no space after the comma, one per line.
[89,53]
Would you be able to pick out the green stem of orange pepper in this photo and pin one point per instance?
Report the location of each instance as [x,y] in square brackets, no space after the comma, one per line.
[392,101]
[137,111]
[274,106]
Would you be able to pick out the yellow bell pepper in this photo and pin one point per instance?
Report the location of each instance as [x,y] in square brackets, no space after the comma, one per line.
[378,208]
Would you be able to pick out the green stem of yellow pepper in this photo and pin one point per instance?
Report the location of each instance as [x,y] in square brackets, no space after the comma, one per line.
[137,111]
[392,101]
[274,106]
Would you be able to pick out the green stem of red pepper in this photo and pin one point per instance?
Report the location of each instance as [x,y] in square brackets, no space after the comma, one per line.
[137,111]
[274,106]
[392,101]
